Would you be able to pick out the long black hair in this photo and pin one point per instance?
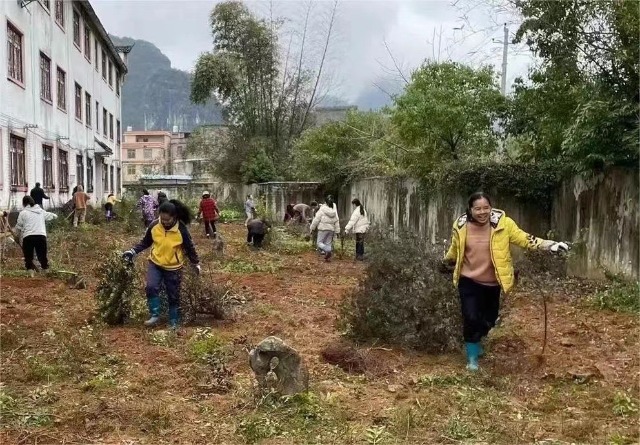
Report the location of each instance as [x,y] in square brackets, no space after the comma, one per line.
[177,209]
[28,201]
[356,202]
[472,199]
[329,201]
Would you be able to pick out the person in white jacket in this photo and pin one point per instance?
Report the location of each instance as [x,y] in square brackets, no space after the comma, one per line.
[359,223]
[33,231]
[328,224]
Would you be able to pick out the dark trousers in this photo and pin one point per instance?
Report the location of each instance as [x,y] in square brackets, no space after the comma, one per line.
[209,227]
[39,244]
[255,238]
[157,276]
[359,246]
[480,306]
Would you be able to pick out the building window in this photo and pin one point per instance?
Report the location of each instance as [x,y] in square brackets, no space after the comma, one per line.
[17,161]
[131,154]
[146,169]
[60,13]
[97,117]
[148,154]
[47,166]
[78,90]
[14,54]
[63,170]
[118,132]
[79,170]
[118,180]
[131,170]
[45,77]
[87,108]
[62,89]
[110,74]
[112,177]
[87,43]
[105,173]
[97,61]
[118,83]
[110,126]
[89,175]
[104,65]
[104,122]
[76,28]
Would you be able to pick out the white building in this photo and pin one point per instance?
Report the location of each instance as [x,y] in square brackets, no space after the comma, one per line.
[60,107]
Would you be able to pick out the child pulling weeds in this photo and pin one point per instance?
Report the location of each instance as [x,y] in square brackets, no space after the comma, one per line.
[169,240]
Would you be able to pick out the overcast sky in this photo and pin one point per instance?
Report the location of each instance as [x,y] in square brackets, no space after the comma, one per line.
[358,60]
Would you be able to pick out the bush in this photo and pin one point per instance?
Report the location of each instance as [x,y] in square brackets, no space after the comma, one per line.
[117,292]
[620,295]
[404,298]
[203,295]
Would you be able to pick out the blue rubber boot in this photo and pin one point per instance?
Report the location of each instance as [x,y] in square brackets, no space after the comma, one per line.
[174,317]
[153,303]
[473,351]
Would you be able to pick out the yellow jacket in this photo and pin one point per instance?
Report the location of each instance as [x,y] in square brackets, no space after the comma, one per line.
[168,247]
[504,232]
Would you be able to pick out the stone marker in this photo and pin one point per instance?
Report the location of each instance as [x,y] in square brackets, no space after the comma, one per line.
[279,367]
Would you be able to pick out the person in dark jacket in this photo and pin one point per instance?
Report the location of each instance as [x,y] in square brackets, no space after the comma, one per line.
[256,230]
[38,194]
[170,243]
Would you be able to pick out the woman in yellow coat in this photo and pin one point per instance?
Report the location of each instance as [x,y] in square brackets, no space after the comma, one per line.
[480,249]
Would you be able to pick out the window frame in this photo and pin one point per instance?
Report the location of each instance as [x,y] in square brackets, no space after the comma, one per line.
[111,129]
[61,95]
[47,167]
[87,42]
[97,54]
[129,167]
[104,65]
[63,179]
[77,101]
[90,178]
[77,43]
[144,153]
[59,7]
[11,67]
[129,152]
[45,84]
[105,122]
[88,103]
[13,159]
[118,131]
[80,170]
[97,117]
[110,74]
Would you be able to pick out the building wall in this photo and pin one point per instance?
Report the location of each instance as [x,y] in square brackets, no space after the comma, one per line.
[145,153]
[21,105]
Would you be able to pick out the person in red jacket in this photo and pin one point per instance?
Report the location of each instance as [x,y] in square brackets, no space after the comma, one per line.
[210,214]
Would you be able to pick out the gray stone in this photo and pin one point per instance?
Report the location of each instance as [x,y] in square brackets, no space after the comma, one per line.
[279,367]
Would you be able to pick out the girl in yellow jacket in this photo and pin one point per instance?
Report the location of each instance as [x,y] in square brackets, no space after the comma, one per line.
[170,242]
[480,250]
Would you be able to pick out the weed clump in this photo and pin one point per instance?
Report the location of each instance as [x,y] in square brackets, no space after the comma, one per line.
[404,299]
[117,292]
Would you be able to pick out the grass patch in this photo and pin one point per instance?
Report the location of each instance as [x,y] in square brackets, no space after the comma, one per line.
[19,412]
[302,416]
[619,295]
[624,405]
[166,338]
[240,266]
[39,369]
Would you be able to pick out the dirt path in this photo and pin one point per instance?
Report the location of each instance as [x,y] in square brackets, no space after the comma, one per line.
[67,380]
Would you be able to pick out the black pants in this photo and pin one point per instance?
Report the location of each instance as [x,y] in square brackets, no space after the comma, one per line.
[39,244]
[255,238]
[209,227]
[480,306]
[359,246]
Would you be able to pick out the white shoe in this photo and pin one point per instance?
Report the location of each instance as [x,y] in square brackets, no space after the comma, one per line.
[32,273]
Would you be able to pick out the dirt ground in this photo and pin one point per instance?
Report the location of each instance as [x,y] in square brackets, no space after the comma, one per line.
[66,378]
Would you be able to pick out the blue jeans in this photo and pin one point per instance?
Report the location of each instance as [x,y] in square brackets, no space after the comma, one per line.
[156,276]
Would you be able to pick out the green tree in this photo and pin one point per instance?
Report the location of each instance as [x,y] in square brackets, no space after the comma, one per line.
[339,152]
[448,111]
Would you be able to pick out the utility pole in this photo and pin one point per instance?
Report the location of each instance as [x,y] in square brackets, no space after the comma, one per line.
[505,50]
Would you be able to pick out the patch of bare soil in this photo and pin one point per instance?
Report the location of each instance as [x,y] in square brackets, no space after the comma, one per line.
[68,379]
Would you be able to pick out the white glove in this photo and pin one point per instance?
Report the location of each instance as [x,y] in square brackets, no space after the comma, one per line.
[198,269]
[346,231]
[559,247]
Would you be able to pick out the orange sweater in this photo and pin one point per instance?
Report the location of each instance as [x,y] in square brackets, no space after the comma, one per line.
[477,264]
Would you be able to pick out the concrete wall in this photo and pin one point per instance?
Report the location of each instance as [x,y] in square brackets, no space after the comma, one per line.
[601,214]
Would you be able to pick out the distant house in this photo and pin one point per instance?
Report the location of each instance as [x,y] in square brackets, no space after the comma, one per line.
[144,153]
[323,115]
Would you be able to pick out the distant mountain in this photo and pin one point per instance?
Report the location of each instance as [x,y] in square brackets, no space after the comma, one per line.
[156,96]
